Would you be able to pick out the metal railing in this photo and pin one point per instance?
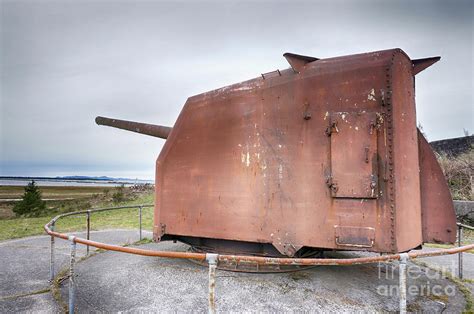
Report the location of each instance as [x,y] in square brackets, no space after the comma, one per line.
[460,234]
[50,226]
[214,259]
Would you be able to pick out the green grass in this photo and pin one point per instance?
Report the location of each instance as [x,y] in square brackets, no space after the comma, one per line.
[58,198]
[121,218]
[8,191]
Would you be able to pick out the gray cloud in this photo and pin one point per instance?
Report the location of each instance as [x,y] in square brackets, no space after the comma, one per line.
[64,62]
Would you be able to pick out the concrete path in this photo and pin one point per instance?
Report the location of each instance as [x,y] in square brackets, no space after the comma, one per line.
[24,268]
[112,282]
[104,284]
[450,263]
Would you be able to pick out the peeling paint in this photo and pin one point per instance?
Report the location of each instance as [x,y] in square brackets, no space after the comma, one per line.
[371,95]
[245,87]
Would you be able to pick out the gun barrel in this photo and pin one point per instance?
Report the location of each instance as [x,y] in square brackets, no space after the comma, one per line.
[138,127]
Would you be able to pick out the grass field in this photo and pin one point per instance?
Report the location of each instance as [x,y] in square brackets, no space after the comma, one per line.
[83,198]
[54,192]
[62,198]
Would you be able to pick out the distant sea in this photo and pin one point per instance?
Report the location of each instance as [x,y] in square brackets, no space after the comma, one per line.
[66,181]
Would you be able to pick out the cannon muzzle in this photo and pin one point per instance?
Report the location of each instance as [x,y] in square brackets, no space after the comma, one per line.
[142,128]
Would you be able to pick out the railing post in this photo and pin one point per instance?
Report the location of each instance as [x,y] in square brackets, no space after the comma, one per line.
[403,282]
[88,228]
[140,221]
[460,253]
[71,274]
[51,260]
[212,261]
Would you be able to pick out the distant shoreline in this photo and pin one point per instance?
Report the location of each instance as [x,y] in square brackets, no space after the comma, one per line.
[71,181]
[91,178]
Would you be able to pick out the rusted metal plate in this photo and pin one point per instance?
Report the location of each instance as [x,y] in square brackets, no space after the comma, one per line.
[438,215]
[355,237]
[353,154]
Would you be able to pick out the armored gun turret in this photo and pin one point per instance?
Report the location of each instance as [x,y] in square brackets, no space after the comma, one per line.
[324,155]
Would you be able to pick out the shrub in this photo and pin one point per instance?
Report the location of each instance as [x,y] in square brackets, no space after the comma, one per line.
[119,194]
[31,203]
[459,172]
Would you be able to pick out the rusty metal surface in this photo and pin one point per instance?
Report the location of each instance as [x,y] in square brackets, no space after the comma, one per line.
[404,180]
[438,215]
[421,64]
[253,161]
[354,170]
[137,127]
[297,62]
[357,237]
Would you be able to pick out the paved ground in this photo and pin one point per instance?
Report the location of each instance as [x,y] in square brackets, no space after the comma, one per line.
[450,263]
[112,282]
[166,285]
[24,269]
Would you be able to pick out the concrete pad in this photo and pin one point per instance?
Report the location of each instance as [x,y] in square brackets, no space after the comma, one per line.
[450,263]
[24,267]
[113,281]
[38,303]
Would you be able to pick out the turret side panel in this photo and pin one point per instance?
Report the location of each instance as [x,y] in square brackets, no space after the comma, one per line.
[439,218]
[405,155]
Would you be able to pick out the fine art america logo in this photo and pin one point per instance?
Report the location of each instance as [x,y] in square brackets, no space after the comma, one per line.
[421,281]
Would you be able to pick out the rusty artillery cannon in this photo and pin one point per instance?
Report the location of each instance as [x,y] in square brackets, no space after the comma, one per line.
[325,155]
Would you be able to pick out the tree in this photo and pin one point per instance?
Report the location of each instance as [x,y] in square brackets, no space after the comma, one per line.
[31,203]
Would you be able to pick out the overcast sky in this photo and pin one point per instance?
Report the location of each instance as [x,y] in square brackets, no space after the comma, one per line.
[65,62]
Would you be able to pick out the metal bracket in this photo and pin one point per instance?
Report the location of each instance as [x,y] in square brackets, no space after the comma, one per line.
[355,245]
[306,113]
[373,185]
[332,185]
[163,229]
[332,128]
[264,75]
[212,258]
[377,123]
